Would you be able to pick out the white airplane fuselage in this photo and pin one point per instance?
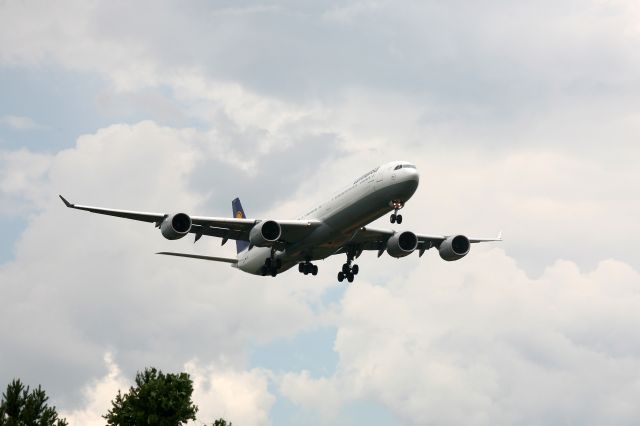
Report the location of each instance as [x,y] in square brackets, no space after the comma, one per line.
[368,198]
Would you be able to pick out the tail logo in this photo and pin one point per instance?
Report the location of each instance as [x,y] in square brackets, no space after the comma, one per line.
[239,215]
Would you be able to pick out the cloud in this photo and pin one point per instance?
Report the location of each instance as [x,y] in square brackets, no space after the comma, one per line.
[147,310]
[479,342]
[240,397]
[98,396]
[369,74]
[494,57]
[322,394]
[23,176]
[18,122]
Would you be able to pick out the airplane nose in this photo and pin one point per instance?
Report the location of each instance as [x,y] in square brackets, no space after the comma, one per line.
[409,179]
[411,174]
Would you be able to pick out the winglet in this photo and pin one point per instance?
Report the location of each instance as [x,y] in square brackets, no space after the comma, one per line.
[499,237]
[66,203]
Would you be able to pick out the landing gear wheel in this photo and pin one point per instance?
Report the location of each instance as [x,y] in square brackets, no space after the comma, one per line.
[307,268]
[349,271]
[396,205]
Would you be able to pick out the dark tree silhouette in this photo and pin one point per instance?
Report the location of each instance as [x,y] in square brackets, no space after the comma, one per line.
[21,407]
[157,399]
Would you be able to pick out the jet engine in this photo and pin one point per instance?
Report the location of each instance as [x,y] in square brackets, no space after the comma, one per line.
[454,248]
[265,233]
[175,226]
[402,244]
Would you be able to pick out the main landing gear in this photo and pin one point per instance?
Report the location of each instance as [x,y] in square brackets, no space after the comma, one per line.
[308,268]
[348,271]
[395,217]
[271,265]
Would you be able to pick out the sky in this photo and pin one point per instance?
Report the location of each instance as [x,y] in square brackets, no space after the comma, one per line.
[520,116]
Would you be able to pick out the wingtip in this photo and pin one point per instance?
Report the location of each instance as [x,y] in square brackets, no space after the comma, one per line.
[499,238]
[64,200]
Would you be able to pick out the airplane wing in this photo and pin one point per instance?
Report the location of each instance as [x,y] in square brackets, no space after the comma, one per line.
[223,227]
[197,256]
[367,238]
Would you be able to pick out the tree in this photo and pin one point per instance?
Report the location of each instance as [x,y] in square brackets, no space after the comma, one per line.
[157,399]
[19,407]
[221,422]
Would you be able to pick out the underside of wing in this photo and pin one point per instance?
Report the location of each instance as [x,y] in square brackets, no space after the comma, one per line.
[270,233]
[402,243]
[486,240]
[174,226]
[397,243]
[197,256]
[367,238]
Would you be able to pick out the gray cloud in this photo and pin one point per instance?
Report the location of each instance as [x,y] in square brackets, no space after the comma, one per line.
[76,305]
[481,343]
[504,57]
[274,178]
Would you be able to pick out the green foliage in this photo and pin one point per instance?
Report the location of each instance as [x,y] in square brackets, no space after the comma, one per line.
[221,422]
[157,399]
[19,407]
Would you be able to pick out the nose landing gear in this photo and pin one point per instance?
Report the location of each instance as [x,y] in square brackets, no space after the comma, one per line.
[395,217]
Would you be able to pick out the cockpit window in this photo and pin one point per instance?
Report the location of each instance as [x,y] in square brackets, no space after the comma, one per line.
[405,166]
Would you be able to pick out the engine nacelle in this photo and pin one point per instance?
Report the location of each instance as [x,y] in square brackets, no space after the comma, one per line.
[265,233]
[175,226]
[402,244]
[454,247]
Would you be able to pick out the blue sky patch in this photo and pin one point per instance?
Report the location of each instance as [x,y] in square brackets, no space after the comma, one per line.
[311,351]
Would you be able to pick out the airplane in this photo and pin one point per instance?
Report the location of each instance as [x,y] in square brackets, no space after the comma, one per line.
[337,226]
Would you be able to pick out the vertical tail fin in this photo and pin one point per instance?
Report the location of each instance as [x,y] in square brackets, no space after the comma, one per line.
[238,212]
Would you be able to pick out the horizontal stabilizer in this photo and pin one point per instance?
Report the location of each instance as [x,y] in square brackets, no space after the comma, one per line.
[197,256]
